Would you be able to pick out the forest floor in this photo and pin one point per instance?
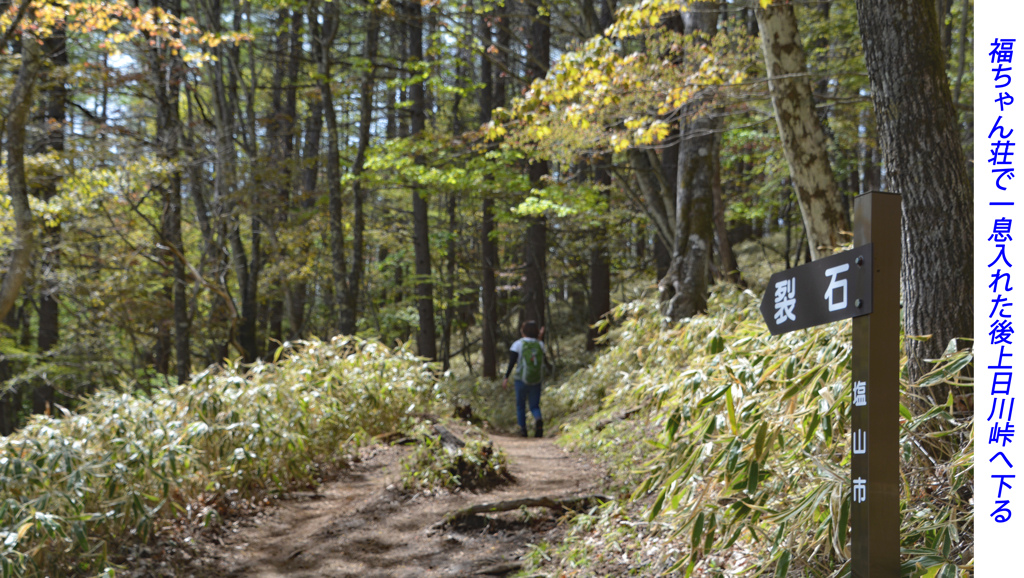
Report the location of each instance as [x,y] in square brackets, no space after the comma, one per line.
[362,524]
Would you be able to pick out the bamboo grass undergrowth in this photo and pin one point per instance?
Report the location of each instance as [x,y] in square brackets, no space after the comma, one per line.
[743,459]
[71,487]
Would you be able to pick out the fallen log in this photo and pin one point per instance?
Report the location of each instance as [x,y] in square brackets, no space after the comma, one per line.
[601,424]
[500,569]
[571,503]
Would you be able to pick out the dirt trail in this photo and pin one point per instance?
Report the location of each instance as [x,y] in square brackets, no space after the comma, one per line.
[356,526]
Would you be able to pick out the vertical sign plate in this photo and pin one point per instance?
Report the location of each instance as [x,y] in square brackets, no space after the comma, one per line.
[998,258]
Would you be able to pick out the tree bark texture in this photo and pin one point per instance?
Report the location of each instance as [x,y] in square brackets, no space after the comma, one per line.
[310,161]
[285,111]
[803,138]
[919,137]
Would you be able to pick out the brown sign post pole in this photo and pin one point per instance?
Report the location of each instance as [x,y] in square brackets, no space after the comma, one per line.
[875,507]
[862,283]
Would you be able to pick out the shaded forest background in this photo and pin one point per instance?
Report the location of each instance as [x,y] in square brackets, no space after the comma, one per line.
[188,182]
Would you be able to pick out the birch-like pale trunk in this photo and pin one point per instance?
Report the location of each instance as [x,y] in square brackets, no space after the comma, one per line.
[803,138]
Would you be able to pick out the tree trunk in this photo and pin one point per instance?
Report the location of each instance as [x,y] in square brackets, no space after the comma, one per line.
[24,230]
[488,247]
[729,267]
[687,277]
[10,400]
[925,163]
[340,289]
[534,294]
[451,301]
[538,57]
[53,140]
[686,283]
[803,139]
[426,337]
[285,84]
[489,258]
[662,257]
[310,161]
[600,268]
[56,100]
[358,219]
[226,113]
[167,79]
[659,193]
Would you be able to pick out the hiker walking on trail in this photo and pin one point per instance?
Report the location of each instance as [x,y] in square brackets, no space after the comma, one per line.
[526,357]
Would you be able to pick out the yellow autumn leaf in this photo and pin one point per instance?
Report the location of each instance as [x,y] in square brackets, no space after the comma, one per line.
[24,530]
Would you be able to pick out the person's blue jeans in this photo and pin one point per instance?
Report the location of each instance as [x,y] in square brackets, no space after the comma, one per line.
[527,393]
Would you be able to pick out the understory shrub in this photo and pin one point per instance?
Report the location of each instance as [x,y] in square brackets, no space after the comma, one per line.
[432,465]
[74,484]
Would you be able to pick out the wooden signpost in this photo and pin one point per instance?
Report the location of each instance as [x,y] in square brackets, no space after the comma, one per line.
[863,283]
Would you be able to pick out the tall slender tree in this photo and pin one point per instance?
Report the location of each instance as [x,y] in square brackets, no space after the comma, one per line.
[426,337]
[600,266]
[55,97]
[17,184]
[492,95]
[366,93]
[538,57]
[333,162]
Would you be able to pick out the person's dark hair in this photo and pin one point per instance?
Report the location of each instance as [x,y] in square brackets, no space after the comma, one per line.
[530,329]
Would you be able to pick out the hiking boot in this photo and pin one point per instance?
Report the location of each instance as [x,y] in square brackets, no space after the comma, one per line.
[522,433]
[539,431]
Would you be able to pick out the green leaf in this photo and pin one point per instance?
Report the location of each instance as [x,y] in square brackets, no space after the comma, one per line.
[759,442]
[905,412]
[752,477]
[782,566]
[698,530]
[656,508]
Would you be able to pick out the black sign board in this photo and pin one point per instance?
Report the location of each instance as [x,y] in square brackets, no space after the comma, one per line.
[823,291]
